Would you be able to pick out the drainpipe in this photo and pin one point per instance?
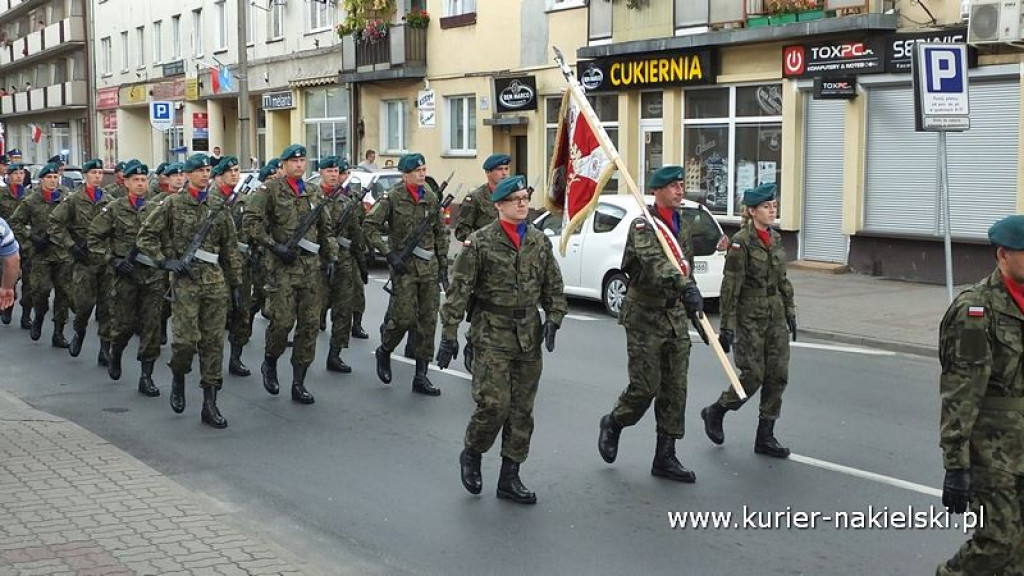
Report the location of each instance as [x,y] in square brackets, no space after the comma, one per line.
[91,142]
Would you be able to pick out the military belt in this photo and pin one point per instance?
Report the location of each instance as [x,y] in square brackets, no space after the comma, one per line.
[655,302]
[344,243]
[205,256]
[758,292]
[513,312]
[145,260]
[1003,404]
[243,248]
[311,247]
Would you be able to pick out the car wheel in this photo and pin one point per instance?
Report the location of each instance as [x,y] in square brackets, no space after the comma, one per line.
[614,293]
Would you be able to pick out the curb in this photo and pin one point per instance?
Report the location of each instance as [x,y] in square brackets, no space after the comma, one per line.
[856,340]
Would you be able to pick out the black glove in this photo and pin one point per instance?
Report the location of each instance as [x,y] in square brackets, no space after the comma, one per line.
[726,338]
[396,263]
[956,491]
[550,328]
[178,267]
[694,304]
[467,356]
[442,279]
[791,322]
[40,241]
[284,253]
[448,350]
[236,298]
[80,252]
[364,275]
[123,267]
[330,268]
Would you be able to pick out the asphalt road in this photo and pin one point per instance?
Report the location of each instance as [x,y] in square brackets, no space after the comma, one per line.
[366,480]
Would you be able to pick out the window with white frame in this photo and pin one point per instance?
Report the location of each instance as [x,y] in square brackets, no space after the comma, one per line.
[140,47]
[197,33]
[606,106]
[600,21]
[457,7]
[275,22]
[319,15]
[392,126]
[176,37]
[220,24]
[732,141]
[250,23]
[106,55]
[158,42]
[124,51]
[460,134]
[565,4]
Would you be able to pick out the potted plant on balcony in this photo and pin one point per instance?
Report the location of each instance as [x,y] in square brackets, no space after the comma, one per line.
[782,11]
[810,10]
[366,19]
[418,19]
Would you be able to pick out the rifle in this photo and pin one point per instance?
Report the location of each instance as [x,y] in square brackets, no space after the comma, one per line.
[297,238]
[413,247]
[197,242]
[345,243]
[444,185]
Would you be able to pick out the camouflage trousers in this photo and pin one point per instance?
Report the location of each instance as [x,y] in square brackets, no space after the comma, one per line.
[197,319]
[997,546]
[339,297]
[504,388]
[762,355]
[413,306]
[659,359]
[240,321]
[137,308]
[358,290]
[92,291]
[49,277]
[259,280]
[293,301]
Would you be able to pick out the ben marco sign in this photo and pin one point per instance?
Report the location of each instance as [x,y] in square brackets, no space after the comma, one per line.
[687,68]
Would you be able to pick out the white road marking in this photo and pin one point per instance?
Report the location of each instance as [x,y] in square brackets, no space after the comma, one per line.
[864,474]
[583,318]
[828,347]
[381,280]
[432,366]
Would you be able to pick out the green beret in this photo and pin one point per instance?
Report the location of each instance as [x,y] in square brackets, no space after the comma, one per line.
[56,160]
[496,161]
[266,172]
[135,169]
[328,162]
[4,159]
[50,168]
[197,162]
[410,162]
[508,186]
[274,164]
[174,168]
[763,193]
[15,167]
[94,164]
[666,175]
[159,167]
[1008,233]
[226,163]
[293,151]
[119,167]
[343,166]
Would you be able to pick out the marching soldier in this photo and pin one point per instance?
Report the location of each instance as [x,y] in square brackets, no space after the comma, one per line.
[51,264]
[981,426]
[508,266]
[69,228]
[275,218]
[226,175]
[757,308]
[10,199]
[415,295]
[258,257]
[176,177]
[477,210]
[654,314]
[358,296]
[171,180]
[200,289]
[117,188]
[158,186]
[138,283]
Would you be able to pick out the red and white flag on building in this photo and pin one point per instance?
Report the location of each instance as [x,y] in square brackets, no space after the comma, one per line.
[35,132]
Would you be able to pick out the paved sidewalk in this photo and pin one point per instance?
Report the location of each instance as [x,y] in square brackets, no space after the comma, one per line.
[70,503]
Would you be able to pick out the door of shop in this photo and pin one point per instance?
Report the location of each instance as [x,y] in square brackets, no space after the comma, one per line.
[821,233]
[652,152]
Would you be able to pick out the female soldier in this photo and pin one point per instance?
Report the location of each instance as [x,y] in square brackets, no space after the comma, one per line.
[756,301]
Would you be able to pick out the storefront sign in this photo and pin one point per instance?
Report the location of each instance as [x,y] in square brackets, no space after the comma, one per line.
[426,105]
[135,95]
[173,90]
[200,125]
[515,94]
[835,88]
[174,68]
[833,57]
[191,88]
[653,70]
[107,98]
[278,100]
[901,47]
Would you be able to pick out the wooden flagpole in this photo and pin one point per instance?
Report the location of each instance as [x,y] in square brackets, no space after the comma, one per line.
[588,112]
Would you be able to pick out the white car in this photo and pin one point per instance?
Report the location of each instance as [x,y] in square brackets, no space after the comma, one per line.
[373,183]
[591,267]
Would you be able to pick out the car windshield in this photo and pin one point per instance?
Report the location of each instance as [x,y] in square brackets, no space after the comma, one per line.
[385,183]
[704,231]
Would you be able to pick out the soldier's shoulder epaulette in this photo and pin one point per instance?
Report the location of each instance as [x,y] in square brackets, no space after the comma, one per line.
[640,224]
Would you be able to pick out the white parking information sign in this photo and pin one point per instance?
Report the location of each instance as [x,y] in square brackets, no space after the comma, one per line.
[940,74]
[161,115]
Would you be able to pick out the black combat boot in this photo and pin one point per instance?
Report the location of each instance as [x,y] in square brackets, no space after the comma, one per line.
[235,366]
[146,386]
[114,369]
[103,358]
[766,443]
[383,364]
[211,414]
[6,315]
[666,465]
[712,416]
[410,345]
[323,320]
[58,340]
[76,343]
[469,462]
[269,371]
[335,363]
[420,383]
[510,487]
[177,392]
[36,331]
[357,326]
[299,392]
[26,316]
[608,439]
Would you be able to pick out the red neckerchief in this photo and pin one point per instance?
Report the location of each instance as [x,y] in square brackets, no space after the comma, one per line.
[226,190]
[293,183]
[90,193]
[17,191]
[1016,291]
[50,195]
[199,195]
[668,216]
[515,232]
[765,236]
[137,202]
[414,191]
[165,187]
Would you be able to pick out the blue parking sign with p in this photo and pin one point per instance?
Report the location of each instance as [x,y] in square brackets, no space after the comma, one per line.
[943,69]
[161,115]
[941,88]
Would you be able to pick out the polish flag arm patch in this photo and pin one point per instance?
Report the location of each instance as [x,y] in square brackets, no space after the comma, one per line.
[976,312]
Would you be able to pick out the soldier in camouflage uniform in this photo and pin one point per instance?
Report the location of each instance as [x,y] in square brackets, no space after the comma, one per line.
[294,287]
[138,285]
[355,192]
[171,181]
[226,175]
[269,172]
[981,349]
[159,185]
[12,197]
[202,298]
[117,188]
[757,308]
[340,289]
[654,314]
[415,296]
[69,226]
[51,264]
[509,268]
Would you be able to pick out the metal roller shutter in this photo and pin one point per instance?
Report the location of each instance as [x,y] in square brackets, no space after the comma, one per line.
[821,233]
[901,195]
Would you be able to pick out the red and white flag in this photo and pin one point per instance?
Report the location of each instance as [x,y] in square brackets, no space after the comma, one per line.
[36,132]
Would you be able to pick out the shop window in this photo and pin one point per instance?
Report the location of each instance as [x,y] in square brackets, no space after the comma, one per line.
[392,121]
[651,105]
[732,141]
[460,135]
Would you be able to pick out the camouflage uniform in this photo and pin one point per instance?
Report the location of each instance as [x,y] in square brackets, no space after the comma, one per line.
[51,268]
[115,191]
[69,226]
[240,323]
[340,293]
[981,348]
[358,296]
[9,202]
[476,211]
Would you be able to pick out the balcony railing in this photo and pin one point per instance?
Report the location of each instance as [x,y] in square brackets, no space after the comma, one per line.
[60,34]
[64,95]
[404,48]
[700,15]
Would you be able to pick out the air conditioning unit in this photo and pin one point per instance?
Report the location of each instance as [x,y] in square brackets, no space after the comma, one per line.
[994,21]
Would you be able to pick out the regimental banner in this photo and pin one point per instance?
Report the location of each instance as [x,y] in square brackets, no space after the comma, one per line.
[672,68]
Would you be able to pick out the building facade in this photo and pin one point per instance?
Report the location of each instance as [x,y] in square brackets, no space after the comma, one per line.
[45,78]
